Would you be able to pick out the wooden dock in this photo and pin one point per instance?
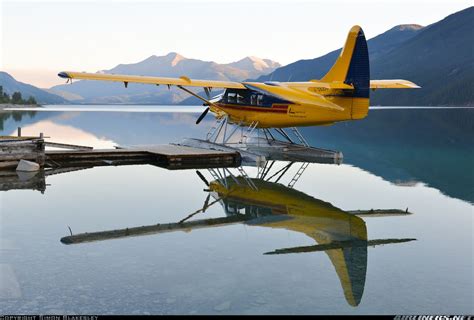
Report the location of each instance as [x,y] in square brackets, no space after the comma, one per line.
[14,149]
[189,154]
[169,156]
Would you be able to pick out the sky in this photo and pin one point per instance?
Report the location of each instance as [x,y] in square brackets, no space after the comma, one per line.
[39,38]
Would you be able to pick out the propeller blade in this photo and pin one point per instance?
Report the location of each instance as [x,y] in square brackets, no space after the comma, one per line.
[202,178]
[202,116]
[208,92]
[206,203]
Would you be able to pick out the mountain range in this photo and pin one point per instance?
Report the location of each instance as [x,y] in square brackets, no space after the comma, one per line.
[303,70]
[11,85]
[438,57]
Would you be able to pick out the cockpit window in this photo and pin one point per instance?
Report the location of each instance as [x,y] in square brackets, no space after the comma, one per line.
[244,97]
[238,96]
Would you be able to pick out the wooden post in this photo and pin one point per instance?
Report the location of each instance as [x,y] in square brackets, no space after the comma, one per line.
[19,131]
[40,159]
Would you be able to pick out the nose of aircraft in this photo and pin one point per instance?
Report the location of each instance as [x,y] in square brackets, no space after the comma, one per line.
[63,75]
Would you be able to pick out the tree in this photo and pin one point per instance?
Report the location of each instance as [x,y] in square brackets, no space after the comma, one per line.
[3,96]
[17,116]
[16,97]
[31,100]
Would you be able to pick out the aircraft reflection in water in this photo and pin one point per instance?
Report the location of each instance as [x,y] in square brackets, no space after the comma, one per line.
[262,202]
[342,235]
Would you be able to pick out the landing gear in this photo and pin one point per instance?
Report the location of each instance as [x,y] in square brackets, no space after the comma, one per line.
[257,145]
[224,132]
[227,178]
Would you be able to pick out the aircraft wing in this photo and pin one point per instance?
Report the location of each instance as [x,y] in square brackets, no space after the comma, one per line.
[318,84]
[374,84]
[393,84]
[181,81]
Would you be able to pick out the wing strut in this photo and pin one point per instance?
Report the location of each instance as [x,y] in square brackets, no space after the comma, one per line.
[207,102]
[198,96]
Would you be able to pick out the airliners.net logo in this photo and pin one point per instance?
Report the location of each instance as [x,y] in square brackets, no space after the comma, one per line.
[434,318]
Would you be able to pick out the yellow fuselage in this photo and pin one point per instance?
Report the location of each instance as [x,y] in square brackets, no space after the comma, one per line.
[306,214]
[281,114]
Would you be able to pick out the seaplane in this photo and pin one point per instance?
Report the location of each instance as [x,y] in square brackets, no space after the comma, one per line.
[265,201]
[343,94]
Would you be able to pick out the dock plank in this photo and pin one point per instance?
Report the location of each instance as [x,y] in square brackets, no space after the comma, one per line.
[176,150]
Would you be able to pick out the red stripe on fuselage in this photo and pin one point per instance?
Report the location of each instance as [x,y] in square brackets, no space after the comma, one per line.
[275,109]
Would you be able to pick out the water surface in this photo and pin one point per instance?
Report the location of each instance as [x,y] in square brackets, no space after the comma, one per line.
[269,259]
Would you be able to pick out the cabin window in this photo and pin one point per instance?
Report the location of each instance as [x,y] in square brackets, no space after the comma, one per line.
[253,99]
[232,97]
[240,98]
[259,99]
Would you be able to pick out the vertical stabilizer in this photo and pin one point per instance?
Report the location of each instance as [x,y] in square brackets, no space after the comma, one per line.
[352,67]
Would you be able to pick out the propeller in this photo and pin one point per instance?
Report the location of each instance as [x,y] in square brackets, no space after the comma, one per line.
[202,178]
[206,102]
[202,116]
[208,95]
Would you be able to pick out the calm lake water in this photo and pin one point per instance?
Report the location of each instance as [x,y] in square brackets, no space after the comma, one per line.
[291,250]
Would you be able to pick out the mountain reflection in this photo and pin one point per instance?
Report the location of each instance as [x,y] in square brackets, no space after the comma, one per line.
[66,134]
[432,146]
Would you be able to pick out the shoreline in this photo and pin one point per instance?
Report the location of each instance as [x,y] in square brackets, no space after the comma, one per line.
[11,105]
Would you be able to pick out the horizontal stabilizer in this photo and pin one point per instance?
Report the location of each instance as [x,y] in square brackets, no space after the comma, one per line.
[393,84]
[339,245]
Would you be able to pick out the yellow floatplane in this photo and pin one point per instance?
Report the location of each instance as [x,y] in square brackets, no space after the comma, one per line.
[341,95]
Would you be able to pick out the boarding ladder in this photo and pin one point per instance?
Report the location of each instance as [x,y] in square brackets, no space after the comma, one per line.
[300,137]
[298,174]
[217,177]
[214,175]
[248,132]
[216,127]
[247,178]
